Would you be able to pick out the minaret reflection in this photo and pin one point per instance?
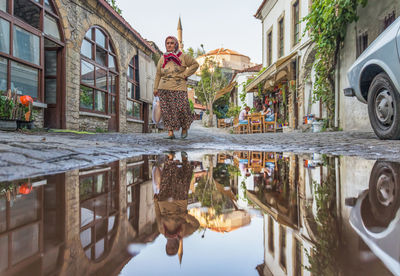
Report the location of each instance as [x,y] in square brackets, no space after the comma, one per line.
[171,202]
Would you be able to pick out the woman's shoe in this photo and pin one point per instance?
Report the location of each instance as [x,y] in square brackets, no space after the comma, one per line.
[184,135]
[170,137]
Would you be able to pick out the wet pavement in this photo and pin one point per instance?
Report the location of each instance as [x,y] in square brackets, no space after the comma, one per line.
[206,213]
[34,154]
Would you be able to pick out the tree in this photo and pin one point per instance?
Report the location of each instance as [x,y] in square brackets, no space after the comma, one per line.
[212,80]
[194,53]
[113,4]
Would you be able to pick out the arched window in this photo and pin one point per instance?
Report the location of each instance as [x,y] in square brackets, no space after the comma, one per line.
[98,196]
[98,73]
[133,105]
[26,28]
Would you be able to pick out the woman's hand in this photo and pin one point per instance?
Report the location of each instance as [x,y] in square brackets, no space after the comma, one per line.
[155,93]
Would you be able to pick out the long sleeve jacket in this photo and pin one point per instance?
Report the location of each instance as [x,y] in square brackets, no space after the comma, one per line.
[173,76]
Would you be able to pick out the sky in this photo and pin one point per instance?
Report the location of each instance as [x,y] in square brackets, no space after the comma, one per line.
[214,23]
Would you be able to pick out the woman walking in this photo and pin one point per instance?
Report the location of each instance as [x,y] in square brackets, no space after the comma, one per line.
[170,85]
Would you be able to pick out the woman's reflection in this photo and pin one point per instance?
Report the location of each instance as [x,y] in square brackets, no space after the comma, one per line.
[171,202]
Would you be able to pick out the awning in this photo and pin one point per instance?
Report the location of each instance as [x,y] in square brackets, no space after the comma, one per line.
[252,86]
[271,72]
[225,90]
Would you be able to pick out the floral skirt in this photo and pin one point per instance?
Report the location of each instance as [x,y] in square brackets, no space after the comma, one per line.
[175,109]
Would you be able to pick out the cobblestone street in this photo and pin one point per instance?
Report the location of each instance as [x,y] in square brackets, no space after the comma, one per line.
[33,154]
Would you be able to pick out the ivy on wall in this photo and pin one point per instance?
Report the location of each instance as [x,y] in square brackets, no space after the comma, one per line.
[113,4]
[327,23]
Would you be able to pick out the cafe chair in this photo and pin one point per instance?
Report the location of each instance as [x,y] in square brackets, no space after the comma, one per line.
[256,123]
[221,123]
[270,126]
[240,128]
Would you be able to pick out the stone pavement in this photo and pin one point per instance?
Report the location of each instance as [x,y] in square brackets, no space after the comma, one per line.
[32,154]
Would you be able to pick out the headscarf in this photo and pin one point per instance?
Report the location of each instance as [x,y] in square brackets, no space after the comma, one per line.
[172,56]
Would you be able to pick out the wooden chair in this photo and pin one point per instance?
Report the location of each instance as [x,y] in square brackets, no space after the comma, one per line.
[240,128]
[221,123]
[270,160]
[221,158]
[270,126]
[244,155]
[256,123]
[256,157]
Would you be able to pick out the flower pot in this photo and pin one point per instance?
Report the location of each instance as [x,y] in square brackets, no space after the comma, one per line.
[8,124]
[317,126]
[25,124]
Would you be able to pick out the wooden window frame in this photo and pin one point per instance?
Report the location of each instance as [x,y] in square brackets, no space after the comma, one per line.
[361,42]
[15,21]
[389,19]
[134,65]
[297,263]
[269,44]
[282,248]
[281,35]
[11,230]
[271,242]
[109,52]
[134,188]
[295,10]
[111,193]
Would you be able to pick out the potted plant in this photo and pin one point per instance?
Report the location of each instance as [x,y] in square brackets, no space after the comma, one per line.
[8,110]
[25,116]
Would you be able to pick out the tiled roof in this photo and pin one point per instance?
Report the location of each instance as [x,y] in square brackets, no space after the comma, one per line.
[223,51]
[126,24]
[255,68]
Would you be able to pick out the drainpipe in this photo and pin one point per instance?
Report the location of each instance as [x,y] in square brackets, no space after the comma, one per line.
[337,91]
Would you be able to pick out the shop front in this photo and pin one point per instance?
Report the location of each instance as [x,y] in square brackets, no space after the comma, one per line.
[276,88]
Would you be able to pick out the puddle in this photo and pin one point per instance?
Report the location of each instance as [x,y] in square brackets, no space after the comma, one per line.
[231,213]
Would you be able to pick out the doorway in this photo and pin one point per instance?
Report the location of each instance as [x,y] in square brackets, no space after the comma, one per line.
[53,85]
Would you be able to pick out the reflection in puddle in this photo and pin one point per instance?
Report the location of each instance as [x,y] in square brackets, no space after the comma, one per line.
[198,214]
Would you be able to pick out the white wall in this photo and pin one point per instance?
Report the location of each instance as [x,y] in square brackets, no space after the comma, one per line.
[147,73]
[240,79]
[271,19]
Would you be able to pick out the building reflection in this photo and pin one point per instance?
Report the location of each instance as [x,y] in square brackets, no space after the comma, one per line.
[310,227]
[215,193]
[322,215]
[99,212]
[32,226]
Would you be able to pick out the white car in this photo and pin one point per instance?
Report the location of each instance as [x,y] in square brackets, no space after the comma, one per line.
[374,79]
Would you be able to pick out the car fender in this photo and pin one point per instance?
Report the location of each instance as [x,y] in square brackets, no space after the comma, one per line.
[395,79]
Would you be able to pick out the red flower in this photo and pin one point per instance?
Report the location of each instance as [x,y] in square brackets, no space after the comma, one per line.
[25,189]
[25,100]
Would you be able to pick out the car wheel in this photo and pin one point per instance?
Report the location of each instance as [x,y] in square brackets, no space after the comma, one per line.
[384,107]
[383,194]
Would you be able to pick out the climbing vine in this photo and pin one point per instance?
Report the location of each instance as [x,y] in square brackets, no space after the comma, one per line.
[246,83]
[327,23]
[114,6]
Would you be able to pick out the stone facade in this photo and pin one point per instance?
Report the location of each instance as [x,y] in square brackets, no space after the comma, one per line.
[77,17]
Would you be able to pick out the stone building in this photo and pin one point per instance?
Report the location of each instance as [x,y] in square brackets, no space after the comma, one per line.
[79,222]
[228,60]
[85,67]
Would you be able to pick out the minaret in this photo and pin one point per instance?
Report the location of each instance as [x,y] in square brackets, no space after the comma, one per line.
[180,34]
